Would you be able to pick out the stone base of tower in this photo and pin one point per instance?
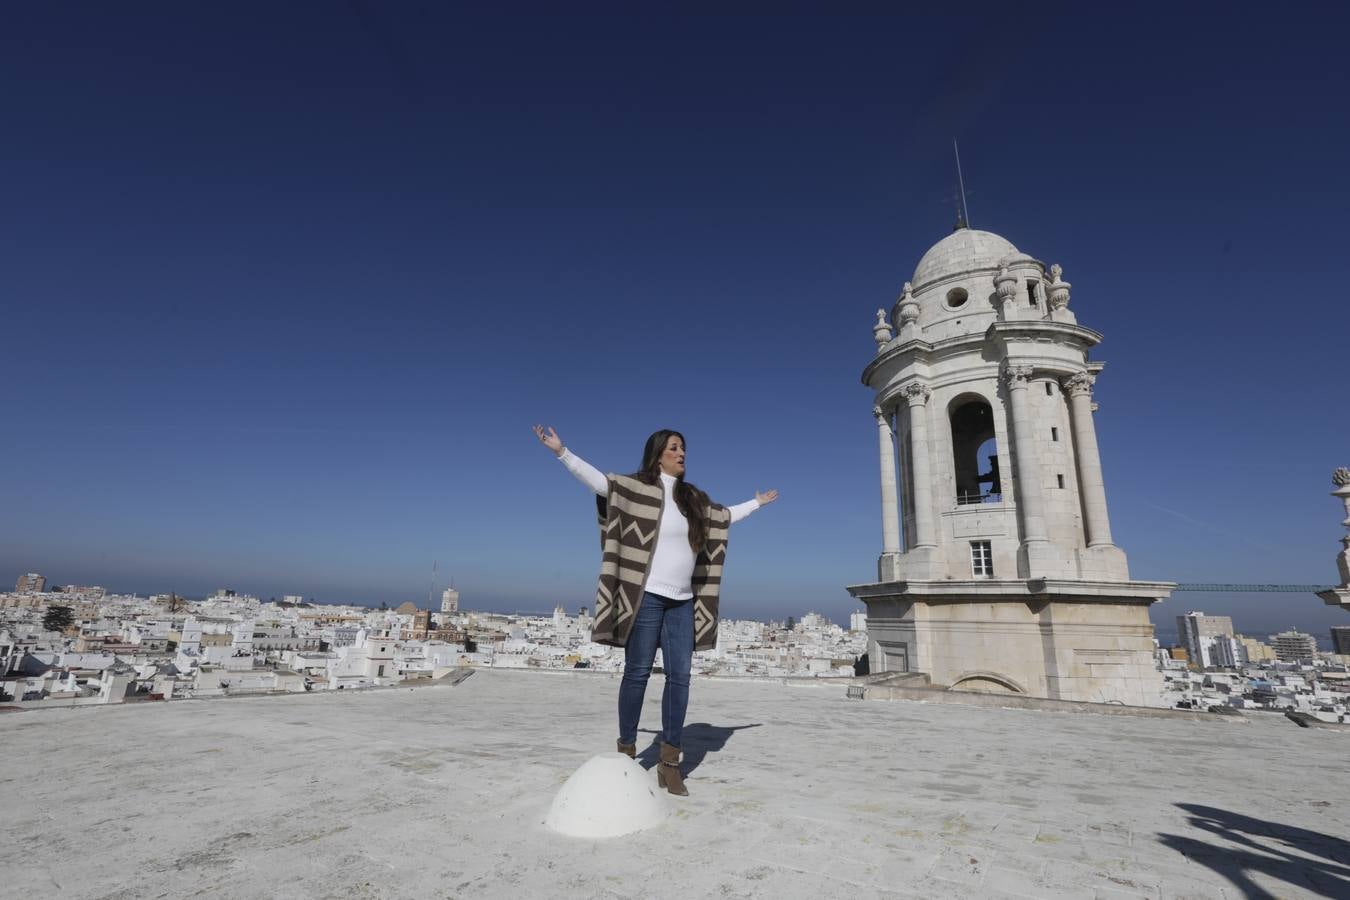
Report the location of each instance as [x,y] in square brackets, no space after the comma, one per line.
[1062,640]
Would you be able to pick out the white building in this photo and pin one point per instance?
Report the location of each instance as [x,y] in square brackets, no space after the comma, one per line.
[243,638]
[1292,646]
[1009,579]
[370,661]
[449,601]
[1226,652]
[813,621]
[191,636]
[1209,640]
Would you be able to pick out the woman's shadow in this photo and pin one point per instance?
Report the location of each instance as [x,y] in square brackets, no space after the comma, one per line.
[700,739]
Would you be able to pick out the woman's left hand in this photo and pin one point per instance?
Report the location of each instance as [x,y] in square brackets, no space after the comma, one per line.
[766,498]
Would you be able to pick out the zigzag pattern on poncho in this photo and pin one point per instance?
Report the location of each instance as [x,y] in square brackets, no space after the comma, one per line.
[630,518]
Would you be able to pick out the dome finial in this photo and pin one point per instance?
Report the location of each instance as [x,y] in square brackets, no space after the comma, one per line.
[962,213]
[881,331]
[1005,284]
[1059,288]
[907,309]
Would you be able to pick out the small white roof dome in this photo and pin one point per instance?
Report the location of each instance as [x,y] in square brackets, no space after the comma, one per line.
[610,795]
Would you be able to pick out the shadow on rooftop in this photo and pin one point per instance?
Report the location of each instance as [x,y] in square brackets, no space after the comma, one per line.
[1308,860]
[700,739]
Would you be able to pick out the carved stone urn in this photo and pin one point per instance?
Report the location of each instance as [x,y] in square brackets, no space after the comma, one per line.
[1340,596]
[1341,478]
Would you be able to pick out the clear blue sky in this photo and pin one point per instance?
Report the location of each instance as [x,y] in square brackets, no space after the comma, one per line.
[285,285]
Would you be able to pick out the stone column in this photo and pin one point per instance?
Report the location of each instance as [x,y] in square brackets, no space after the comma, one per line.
[1091,487]
[917,395]
[1029,500]
[890,507]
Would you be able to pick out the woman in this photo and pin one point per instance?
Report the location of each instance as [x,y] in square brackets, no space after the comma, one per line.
[664,544]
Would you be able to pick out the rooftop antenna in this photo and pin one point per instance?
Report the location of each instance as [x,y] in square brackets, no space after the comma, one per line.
[963,215]
[432,589]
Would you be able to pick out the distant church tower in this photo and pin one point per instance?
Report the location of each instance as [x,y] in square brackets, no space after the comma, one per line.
[1008,579]
[449,602]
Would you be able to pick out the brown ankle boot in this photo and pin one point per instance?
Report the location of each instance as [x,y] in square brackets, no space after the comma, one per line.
[629,750]
[668,771]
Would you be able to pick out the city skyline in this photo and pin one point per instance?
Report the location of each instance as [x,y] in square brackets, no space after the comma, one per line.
[1165,627]
[292,321]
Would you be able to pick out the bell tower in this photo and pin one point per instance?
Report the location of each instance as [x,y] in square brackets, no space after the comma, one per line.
[998,569]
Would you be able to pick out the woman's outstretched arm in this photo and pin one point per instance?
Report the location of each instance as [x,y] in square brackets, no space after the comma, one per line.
[741,510]
[586,473]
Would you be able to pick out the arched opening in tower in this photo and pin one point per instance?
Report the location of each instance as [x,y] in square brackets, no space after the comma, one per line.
[975,452]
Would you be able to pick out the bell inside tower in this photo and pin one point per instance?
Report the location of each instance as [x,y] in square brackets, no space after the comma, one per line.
[975,453]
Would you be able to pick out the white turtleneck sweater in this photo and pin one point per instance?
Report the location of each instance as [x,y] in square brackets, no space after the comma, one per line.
[672,565]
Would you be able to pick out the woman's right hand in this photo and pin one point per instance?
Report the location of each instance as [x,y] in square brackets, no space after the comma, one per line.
[549,438]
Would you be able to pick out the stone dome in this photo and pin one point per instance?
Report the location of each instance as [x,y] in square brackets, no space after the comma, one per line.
[964,250]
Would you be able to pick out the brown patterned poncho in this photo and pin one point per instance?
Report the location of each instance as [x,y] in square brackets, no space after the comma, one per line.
[630,517]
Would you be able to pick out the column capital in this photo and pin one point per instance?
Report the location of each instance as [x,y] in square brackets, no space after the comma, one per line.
[916,393]
[879,414]
[1079,384]
[1017,376]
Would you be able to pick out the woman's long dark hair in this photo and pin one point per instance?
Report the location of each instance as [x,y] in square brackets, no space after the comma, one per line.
[692,502]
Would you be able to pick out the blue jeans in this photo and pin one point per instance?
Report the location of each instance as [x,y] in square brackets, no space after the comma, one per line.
[668,624]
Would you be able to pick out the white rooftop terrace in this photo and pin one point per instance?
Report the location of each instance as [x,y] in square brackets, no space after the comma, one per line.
[795,791]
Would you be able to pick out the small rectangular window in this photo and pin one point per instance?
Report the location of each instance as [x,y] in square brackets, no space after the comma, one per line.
[981,559]
[1049,391]
[1031,291]
[1054,433]
[1060,479]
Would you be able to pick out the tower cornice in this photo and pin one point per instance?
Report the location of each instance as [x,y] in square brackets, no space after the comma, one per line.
[921,349]
[1043,329]
[915,346]
[1044,332]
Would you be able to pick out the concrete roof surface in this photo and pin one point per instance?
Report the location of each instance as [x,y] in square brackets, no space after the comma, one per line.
[795,791]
